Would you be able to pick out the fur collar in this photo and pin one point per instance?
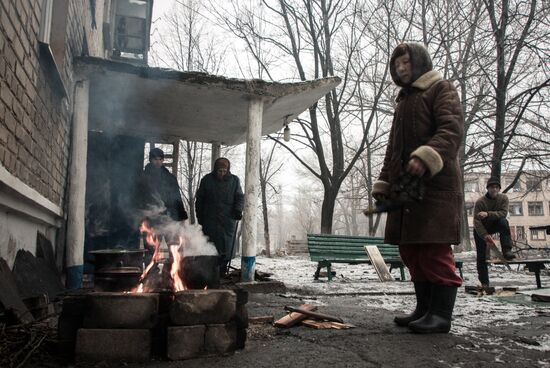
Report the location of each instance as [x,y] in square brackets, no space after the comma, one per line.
[426,80]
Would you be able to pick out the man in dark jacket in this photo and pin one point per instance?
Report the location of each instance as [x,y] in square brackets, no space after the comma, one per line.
[219,205]
[490,213]
[424,141]
[159,190]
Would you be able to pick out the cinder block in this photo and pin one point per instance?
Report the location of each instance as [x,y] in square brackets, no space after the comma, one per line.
[185,342]
[193,307]
[113,345]
[242,296]
[241,338]
[220,338]
[241,316]
[121,310]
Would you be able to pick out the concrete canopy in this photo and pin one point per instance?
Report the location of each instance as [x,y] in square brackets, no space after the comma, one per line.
[154,102]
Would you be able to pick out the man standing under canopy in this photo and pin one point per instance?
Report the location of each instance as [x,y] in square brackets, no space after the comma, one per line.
[219,205]
[159,195]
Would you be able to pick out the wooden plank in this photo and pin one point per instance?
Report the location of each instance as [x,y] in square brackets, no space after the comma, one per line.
[320,316]
[294,318]
[323,325]
[260,319]
[378,263]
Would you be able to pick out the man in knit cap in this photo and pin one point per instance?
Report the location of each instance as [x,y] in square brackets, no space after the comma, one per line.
[490,213]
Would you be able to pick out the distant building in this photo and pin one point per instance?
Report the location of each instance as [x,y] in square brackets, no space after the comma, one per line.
[529,204]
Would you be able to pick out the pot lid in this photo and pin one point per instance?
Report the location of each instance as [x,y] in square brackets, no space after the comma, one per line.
[117,251]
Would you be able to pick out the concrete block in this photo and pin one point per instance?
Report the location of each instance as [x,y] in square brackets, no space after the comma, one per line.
[193,307]
[185,342]
[220,338]
[241,338]
[242,296]
[262,287]
[241,316]
[121,310]
[125,345]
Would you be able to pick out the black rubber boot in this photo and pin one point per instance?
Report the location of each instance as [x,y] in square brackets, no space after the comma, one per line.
[438,318]
[423,291]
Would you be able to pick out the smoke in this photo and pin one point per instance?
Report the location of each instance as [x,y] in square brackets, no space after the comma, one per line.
[194,242]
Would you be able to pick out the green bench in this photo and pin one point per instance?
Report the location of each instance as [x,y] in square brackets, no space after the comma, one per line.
[327,249]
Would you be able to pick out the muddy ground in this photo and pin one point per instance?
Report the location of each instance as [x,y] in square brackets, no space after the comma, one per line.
[505,330]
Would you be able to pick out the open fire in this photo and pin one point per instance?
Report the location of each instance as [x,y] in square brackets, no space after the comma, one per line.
[167,312]
[176,252]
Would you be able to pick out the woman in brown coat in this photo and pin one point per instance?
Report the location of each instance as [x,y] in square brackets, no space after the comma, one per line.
[425,137]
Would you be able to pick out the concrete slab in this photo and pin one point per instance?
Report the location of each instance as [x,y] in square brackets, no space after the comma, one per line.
[121,345]
[192,307]
[220,338]
[121,310]
[265,287]
[185,342]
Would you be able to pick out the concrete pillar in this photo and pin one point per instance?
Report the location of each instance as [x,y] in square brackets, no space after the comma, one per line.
[251,188]
[216,152]
[77,187]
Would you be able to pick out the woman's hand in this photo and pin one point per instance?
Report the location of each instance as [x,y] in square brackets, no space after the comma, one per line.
[416,167]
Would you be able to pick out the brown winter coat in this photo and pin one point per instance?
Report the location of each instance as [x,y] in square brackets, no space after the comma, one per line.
[428,124]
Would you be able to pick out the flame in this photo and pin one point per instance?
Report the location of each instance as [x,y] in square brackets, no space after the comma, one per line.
[179,285]
[153,240]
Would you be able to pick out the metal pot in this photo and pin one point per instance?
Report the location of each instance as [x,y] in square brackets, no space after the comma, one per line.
[117,279]
[200,272]
[117,258]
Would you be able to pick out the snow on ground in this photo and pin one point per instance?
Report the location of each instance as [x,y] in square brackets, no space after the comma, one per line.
[471,312]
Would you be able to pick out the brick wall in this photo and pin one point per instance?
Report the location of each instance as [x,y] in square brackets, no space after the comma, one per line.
[34,116]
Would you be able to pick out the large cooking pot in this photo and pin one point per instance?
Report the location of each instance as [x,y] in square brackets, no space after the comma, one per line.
[200,272]
[117,279]
[117,257]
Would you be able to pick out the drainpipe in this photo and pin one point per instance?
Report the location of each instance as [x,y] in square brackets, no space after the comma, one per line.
[77,188]
[251,188]
[216,152]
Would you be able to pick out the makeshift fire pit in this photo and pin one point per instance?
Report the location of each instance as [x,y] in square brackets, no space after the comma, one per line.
[137,326]
[170,309]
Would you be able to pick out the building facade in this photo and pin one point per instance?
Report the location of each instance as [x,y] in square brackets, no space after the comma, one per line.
[39,41]
[529,204]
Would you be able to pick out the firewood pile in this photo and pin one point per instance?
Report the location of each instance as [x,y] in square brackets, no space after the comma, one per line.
[28,345]
[307,315]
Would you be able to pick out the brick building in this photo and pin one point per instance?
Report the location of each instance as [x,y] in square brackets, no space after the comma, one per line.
[78,104]
[38,41]
[529,204]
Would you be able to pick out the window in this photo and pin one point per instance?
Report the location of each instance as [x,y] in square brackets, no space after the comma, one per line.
[538,234]
[471,186]
[535,209]
[515,209]
[517,186]
[52,39]
[520,233]
[469,206]
[534,184]
[131,31]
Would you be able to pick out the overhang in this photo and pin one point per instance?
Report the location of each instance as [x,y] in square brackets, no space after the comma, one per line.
[162,103]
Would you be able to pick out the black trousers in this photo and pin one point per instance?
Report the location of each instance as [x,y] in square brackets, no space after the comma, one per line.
[500,226]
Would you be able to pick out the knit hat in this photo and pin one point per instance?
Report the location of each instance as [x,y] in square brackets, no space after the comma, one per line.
[156,153]
[420,59]
[493,180]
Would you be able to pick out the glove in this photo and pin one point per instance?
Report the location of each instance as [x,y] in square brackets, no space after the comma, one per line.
[237,215]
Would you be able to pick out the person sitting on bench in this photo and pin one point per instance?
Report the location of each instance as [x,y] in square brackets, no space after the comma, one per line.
[490,213]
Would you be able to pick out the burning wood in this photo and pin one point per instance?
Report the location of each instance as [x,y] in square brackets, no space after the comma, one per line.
[156,242]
